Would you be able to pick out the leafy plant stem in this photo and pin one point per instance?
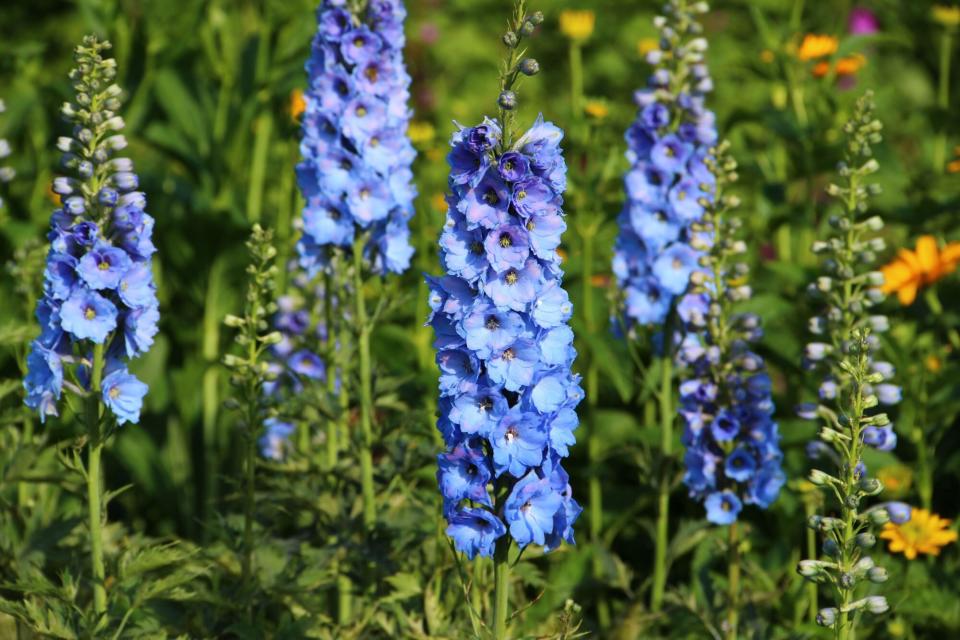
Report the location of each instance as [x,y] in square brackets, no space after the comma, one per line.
[366,395]
[733,582]
[943,99]
[663,498]
[94,484]
[501,597]
[576,78]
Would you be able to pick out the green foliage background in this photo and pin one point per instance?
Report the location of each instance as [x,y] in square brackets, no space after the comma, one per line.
[209,86]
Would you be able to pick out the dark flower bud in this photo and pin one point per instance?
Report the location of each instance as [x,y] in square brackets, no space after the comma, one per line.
[536,17]
[507,100]
[877,575]
[827,617]
[510,39]
[529,67]
[527,28]
[865,540]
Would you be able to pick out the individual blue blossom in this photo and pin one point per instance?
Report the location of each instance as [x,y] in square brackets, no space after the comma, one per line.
[505,350]
[733,455]
[667,185]
[123,394]
[275,439]
[98,290]
[355,170]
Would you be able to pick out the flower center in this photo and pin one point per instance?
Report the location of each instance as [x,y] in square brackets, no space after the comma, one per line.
[521,195]
[490,197]
[526,507]
[371,73]
[676,264]
[508,165]
[511,434]
[476,248]
[374,142]
[493,323]
[115,393]
[485,404]
[505,240]
[358,42]
[104,265]
[509,354]
[361,111]
[530,225]
[364,193]
[89,313]
[511,277]
[726,506]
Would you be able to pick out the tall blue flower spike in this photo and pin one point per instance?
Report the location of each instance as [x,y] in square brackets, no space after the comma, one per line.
[508,397]
[355,171]
[99,294]
[733,453]
[668,178]
[504,348]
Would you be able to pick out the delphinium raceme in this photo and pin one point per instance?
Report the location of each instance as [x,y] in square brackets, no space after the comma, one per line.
[99,307]
[355,173]
[250,373]
[6,173]
[855,384]
[666,188]
[733,453]
[507,394]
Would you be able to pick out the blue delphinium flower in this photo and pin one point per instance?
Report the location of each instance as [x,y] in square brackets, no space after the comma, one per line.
[6,173]
[99,296]
[733,454]
[504,347]
[668,183]
[355,173]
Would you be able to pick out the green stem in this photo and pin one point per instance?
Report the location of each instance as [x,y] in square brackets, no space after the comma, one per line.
[663,498]
[23,489]
[733,583]
[94,485]
[258,168]
[501,594]
[812,593]
[576,78]
[943,100]
[924,448]
[366,395]
[595,486]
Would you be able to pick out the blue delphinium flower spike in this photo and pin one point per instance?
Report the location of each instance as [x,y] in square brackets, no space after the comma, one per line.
[668,182]
[98,283]
[504,347]
[355,173]
[733,453]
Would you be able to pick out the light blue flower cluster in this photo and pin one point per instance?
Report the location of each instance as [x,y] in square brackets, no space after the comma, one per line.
[355,174]
[507,395]
[733,444]
[668,181]
[6,173]
[98,283]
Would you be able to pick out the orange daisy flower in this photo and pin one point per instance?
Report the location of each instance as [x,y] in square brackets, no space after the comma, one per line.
[817,46]
[911,270]
[925,532]
[297,105]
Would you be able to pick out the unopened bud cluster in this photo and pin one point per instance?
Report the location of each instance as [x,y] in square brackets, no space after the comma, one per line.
[514,68]
[854,384]
[249,365]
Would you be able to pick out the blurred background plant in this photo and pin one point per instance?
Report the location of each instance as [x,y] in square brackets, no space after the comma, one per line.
[212,123]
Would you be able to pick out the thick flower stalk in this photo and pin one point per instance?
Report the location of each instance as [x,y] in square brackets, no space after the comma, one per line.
[6,173]
[251,374]
[733,452]
[855,384]
[355,173]
[669,180]
[500,313]
[99,306]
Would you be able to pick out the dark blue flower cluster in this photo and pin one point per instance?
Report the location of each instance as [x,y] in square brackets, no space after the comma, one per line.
[98,283]
[733,444]
[355,174]
[507,395]
[668,180]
